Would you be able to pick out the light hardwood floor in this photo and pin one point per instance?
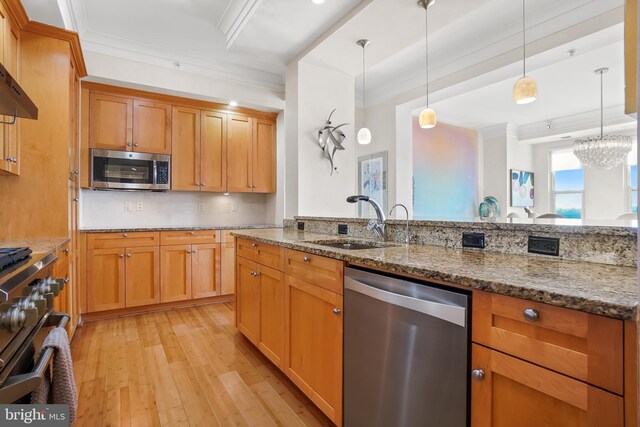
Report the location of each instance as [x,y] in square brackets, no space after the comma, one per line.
[184,367]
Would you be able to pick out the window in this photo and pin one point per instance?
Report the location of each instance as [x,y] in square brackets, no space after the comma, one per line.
[567,184]
[632,179]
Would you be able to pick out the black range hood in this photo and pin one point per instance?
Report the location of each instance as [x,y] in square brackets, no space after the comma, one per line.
[14,102]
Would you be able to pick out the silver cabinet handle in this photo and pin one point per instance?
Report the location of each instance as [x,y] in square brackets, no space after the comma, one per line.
[135,145]
[202,184]
[129,255]
[67,280]
[530,315]
[125,235]
[477,374]
[193,252]
[192,233]
[336,311]
[306,259]
[129,144]
[66,251]
[254,245]
[76,172]
[75,199]
[121,255]
[253,273]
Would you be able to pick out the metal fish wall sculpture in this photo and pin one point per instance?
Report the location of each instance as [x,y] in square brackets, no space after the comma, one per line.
[330,140]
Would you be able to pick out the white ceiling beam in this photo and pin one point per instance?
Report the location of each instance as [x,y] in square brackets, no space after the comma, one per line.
[236,18]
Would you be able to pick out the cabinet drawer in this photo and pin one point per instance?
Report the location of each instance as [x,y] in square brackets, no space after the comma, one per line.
[581,345]
[324,272]
[122,240]
[186,237]
[62,263]
[262,253]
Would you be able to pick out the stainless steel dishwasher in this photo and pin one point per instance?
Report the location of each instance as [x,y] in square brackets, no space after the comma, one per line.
[406,348]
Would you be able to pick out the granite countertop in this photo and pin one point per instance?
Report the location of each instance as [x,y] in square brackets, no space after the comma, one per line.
[179,228]
[594,288]
[45,245]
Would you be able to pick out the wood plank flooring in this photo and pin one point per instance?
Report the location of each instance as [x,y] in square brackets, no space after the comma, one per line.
[184,367]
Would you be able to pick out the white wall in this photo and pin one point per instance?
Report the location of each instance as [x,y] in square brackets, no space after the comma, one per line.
[604,194]
[320,90]
[275,203]
[105,209]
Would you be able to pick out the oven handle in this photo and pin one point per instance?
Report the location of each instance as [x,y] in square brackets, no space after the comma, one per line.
[20,385]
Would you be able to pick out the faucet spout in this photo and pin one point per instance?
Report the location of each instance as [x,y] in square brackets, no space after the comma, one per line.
[378,225]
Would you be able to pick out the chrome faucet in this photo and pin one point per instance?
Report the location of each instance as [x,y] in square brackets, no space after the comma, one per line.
[406,238]
[377,225]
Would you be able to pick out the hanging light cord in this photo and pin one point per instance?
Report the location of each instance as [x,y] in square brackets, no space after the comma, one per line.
[524,45]
[364,92]
[426,28]
[601,105]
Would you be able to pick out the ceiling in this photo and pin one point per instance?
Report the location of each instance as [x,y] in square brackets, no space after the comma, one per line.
[244,40]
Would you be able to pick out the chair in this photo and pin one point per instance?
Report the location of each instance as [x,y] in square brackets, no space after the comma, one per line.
[513,215]
[628,216]
[550,215]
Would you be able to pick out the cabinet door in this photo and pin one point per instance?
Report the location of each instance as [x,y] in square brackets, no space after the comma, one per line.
[105,279]
[185,155]
[239,153]
[213,152]
[6,164]
[142,280]
[205,270]
[175,282]
[228,265]
[110,122]
[74,115]
[151,127]
[271,314]
[248,300]
[313,352]
[264,156]
[517,393]
[11,132]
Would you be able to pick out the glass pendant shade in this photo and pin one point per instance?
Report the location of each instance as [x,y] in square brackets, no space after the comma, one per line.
[602,152]
[525,91]
[428,118]
[364,136]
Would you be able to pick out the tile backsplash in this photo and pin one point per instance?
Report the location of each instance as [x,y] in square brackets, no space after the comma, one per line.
[106,209]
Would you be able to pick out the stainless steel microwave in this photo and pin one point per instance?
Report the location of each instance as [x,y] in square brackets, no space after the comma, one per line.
[125,170]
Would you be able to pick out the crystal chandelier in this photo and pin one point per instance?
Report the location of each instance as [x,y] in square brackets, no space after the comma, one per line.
[604,151]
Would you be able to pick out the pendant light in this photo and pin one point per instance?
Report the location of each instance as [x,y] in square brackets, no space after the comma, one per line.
[525,91]
[364,134]
[428,117]
[605,151]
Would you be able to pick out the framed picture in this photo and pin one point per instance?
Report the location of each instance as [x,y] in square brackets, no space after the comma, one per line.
[522,189]
[372,181]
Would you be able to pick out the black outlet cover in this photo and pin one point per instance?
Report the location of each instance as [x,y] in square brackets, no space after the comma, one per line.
[544,245]
[301,226]
[473,240]
[343,229]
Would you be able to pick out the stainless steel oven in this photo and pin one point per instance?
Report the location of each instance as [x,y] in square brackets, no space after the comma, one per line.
[125,170]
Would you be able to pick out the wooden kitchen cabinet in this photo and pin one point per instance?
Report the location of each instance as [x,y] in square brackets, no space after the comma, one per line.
[512,392]
[313,344]
[199,150]
[228,264]
[151,127]
[260,308]
[142,281]
[251,155]
[205,270]
[110,122]
[105,279]
[175,279]
[9,133]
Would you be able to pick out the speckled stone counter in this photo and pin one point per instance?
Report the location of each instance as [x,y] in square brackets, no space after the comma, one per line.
[46,245]
[179,228]
[590,287]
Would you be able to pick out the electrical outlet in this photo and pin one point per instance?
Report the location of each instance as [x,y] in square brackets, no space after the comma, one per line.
[139,206]
[202,208]
[473,240]
[128,206]
[544,245]
[343,229]
[234,206]
[301,226]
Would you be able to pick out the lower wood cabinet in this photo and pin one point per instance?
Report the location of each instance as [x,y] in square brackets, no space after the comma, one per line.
[260,294]
[122,277]
[506,391]
[313,349]
[189,271]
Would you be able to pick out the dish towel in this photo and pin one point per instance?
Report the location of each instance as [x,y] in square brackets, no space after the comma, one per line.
[63,390]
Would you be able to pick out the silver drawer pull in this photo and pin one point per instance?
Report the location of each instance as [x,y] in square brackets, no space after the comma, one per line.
[129,255]
[477,374]
[336,311]
[530,315]
[254,245]
[192,233]
[306,259]
[125,235]
[121,255]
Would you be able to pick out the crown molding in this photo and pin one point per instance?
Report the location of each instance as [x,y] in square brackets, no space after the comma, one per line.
[236,18]
[61,34]
[16,12]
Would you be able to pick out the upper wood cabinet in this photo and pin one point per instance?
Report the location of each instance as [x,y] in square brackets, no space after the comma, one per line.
[199,150]
[9,134]
[631,56]
[125,124]
[251,155]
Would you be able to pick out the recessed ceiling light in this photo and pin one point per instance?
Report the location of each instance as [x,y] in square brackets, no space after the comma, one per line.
[318,1]
[233,103]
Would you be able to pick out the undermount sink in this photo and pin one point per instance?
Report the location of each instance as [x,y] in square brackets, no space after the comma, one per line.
[351,244]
